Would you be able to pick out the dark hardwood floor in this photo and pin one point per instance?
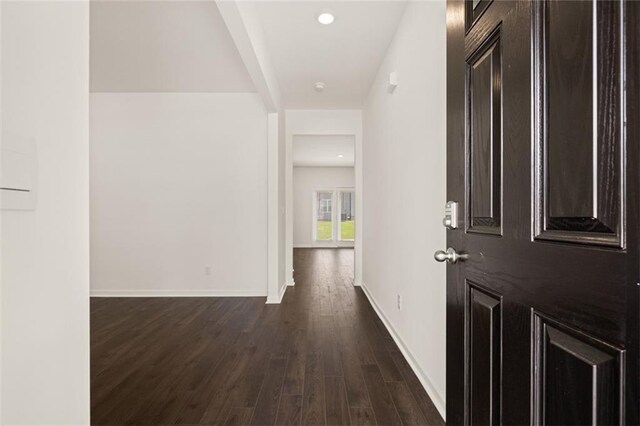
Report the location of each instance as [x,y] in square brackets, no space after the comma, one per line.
[322,357]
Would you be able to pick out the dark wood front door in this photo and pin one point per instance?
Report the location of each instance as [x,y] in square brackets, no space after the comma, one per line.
[543,156]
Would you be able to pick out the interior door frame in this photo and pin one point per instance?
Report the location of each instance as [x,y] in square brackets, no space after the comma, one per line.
[324,123]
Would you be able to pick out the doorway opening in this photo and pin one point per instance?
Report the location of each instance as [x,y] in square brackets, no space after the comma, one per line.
[324,193]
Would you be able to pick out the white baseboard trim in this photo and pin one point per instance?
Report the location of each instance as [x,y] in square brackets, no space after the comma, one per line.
[278,299]
[176,293]
[435,396]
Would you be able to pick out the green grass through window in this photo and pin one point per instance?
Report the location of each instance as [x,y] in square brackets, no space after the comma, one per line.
[348,230]
[323,231]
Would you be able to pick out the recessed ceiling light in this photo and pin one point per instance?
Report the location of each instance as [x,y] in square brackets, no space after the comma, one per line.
[318,86]
[340,155]
[326,17]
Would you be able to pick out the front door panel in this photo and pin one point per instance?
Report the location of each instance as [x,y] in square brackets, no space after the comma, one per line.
[543,115]
[568,363]
[484,104]
[484,348]
[578,121]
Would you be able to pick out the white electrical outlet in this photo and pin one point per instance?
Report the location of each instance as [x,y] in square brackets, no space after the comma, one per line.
[207,270]
[399,302]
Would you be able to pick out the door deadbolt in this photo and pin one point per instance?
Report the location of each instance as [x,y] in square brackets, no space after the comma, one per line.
[450,220]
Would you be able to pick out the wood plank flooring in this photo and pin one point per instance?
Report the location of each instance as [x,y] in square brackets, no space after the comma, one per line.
[322,357]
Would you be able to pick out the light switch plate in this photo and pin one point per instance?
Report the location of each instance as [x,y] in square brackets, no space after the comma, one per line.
[393,81]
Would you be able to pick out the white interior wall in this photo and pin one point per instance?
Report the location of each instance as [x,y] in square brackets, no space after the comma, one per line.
[246,30]
[282,204]
[306,180]
[322,122]
[164,46]
[273,283]
[276,209]
[404,184]
[178,194]
[45,251]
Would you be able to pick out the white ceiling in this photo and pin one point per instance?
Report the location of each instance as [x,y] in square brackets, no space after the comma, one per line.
[318,151]
[344,55]
[163,46]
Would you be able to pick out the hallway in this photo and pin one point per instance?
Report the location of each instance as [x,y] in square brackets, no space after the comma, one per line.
[321,357]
